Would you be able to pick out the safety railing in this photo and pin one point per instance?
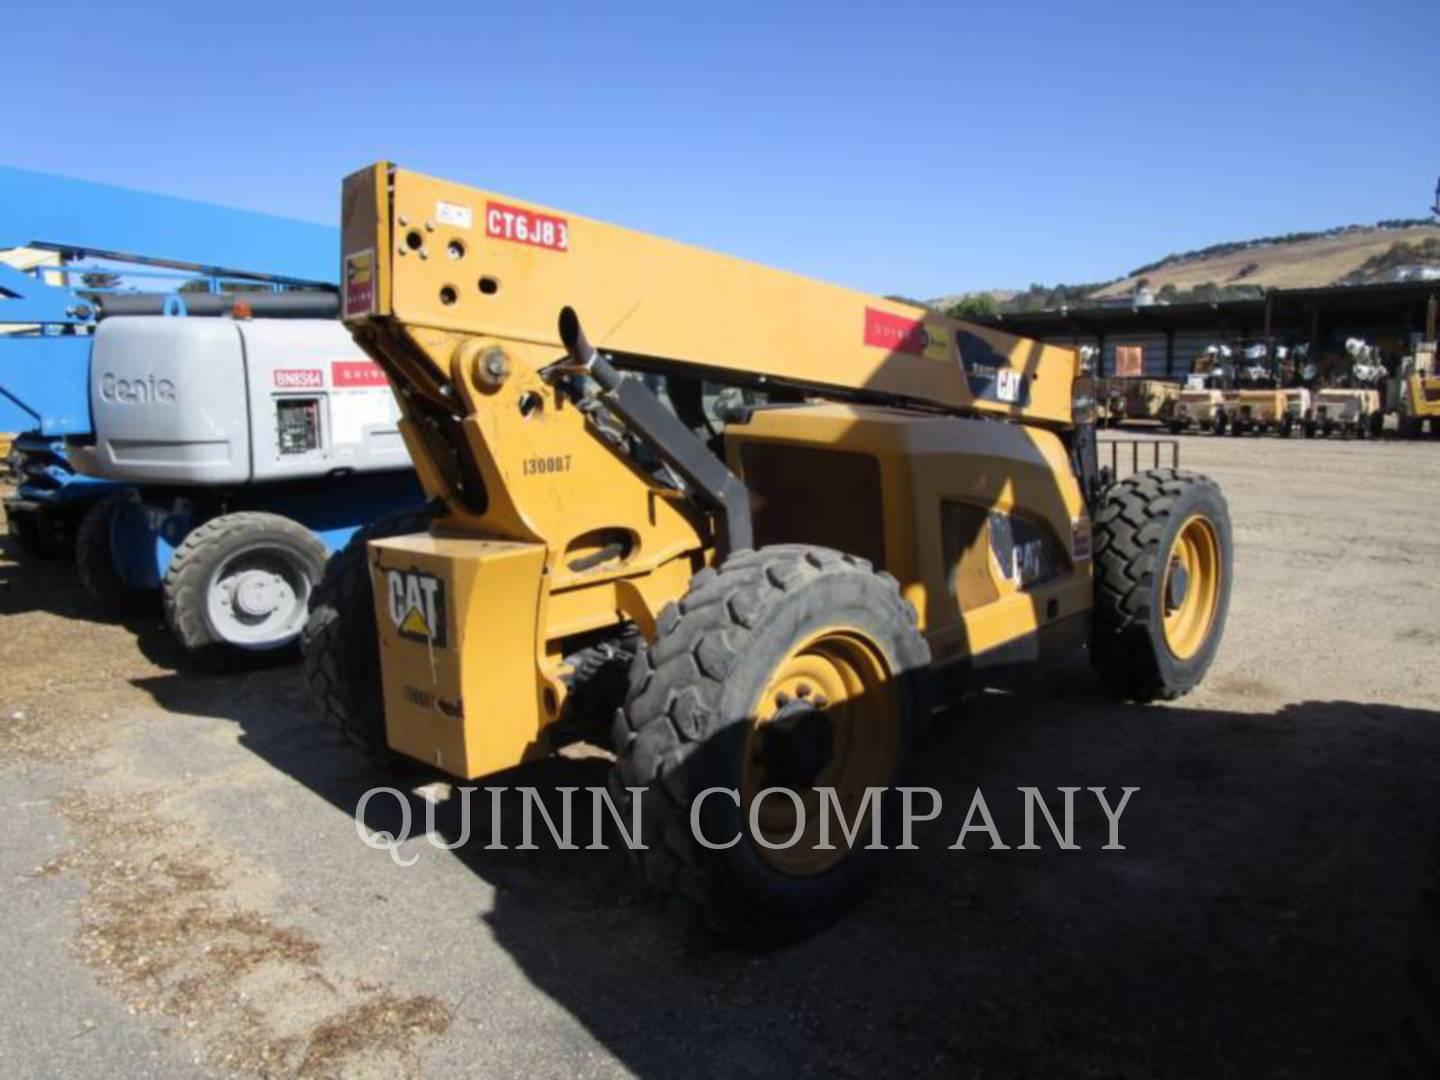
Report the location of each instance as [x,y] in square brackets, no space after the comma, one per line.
[1133,455]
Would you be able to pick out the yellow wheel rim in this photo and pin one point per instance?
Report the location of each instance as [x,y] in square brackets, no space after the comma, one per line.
[1190,591]
[841,680]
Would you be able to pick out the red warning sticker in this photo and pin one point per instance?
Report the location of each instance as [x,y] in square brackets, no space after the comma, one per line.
[348,374]
[899,334]
[505,222]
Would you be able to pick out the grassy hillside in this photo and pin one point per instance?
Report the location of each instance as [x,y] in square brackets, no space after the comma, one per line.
[1324,260]
[1350,255]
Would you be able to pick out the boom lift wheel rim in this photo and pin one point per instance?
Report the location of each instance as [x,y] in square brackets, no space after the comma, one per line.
[845,678]
[1192,570]
[258,597]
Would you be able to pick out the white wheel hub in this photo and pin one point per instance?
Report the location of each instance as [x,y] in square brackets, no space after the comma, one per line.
[257,597]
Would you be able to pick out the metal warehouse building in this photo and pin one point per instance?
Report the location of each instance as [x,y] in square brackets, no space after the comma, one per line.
[1168,337]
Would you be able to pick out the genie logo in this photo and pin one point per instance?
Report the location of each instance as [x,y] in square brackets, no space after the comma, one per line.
[144,390]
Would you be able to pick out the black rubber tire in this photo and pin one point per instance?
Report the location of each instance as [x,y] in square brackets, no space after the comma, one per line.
[341,642]
[1310,429]
[1417,1045]
[1135,529]
[1237,427]
[1177,427]
[205,548]
[1286,427]
[684,728]
[33,534]
[95,561]
[1409,427]
[1375,424]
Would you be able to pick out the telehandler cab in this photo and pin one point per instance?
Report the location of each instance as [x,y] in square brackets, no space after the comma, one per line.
[734,521]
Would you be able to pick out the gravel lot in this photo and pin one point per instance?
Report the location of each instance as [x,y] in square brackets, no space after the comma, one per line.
[183,891]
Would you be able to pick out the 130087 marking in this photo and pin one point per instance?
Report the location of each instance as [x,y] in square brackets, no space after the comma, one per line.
[537,466]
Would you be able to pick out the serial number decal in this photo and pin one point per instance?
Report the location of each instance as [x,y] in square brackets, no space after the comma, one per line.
[299,378]
[505,222]
[535,466]
[348,373]
[899,334]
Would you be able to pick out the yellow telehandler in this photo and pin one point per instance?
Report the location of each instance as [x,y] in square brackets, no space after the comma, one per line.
[740,524]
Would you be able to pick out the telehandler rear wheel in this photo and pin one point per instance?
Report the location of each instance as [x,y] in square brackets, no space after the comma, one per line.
[1162,583]
[792,670]
[341,642]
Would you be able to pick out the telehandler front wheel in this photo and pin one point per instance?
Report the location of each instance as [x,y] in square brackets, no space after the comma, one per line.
[790,682]
[341,641]
[1162,583]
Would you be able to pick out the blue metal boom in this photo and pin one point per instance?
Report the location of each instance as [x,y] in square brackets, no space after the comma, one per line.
[44,358]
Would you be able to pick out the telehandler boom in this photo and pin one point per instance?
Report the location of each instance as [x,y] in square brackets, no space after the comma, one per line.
[735,521]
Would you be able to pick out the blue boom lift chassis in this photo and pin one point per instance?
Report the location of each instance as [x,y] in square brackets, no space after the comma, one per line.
[100,235]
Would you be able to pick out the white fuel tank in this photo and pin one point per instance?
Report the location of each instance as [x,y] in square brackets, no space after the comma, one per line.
[234,401]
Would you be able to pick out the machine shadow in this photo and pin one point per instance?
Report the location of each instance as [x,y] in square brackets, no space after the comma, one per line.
[29,583]
[1257,922]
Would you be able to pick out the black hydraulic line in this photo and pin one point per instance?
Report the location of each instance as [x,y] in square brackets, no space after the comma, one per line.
[673,442]
[263,305]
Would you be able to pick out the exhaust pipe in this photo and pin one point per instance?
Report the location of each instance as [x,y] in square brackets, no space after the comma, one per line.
[263,305]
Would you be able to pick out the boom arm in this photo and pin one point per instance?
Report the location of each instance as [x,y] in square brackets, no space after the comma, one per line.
[458,294]
[439,255]
[556,529]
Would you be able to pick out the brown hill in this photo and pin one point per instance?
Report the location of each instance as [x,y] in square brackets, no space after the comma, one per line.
[1348,255]
[1327,260]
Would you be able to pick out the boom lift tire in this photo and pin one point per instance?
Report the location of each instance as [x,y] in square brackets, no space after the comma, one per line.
[28,529]
[237,589]
[95,560]
[1163,564]
[792,666]
[341,642]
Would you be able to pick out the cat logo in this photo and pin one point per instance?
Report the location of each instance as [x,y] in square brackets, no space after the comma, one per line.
[417,605]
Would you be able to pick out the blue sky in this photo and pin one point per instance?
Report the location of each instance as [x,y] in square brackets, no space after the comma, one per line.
[910,148]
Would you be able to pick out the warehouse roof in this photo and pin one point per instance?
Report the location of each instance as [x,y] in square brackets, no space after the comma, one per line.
[1394,303]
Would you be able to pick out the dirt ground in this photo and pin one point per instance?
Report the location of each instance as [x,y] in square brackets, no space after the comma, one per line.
[183,892]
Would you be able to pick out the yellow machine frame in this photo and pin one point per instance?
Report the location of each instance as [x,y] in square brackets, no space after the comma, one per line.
[547,534]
